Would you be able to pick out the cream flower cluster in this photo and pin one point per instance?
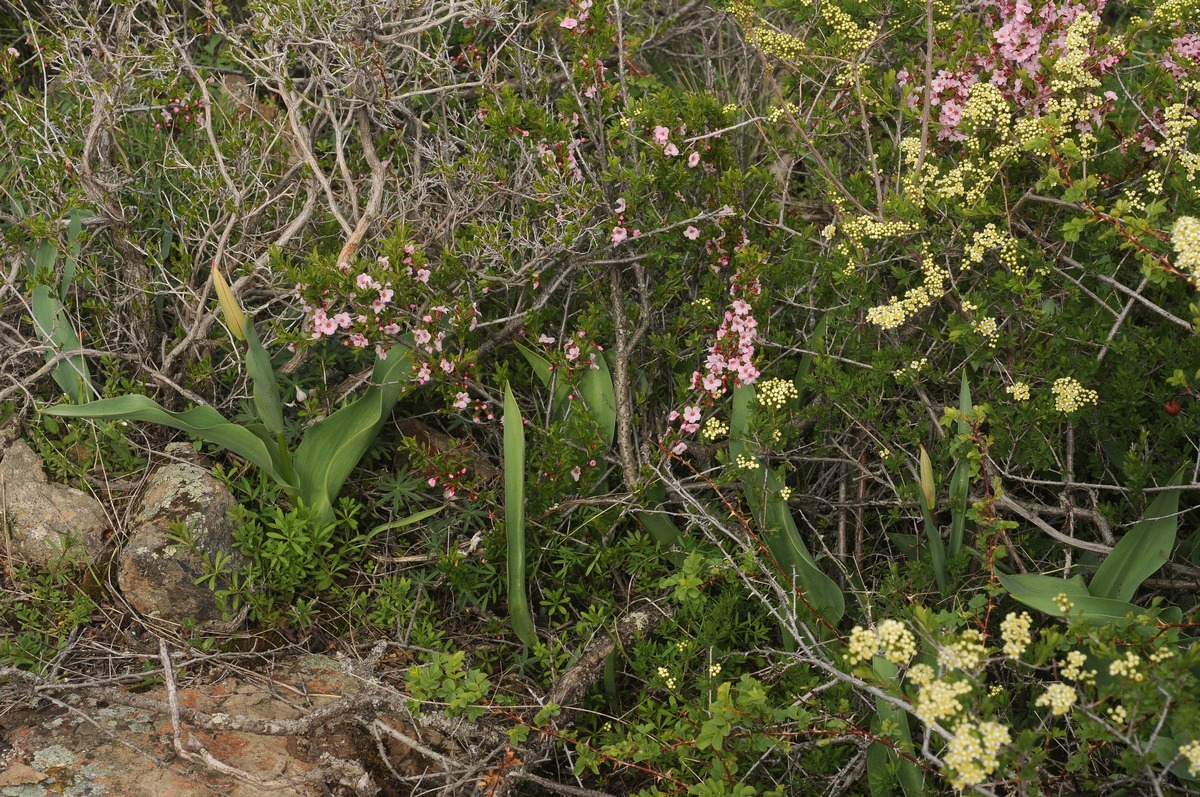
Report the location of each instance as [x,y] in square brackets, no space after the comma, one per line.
[1185,237]
[1073,669]
[775,393]
[911,369]
[1191,752]
[965,654]
[938,700]
[1018,390]
[1059,697]
[1014,630]
[990,238]
[1069,395]
[973,752]
[714,429]
[891,638]
[746,462]
[988,330]
[1129,667]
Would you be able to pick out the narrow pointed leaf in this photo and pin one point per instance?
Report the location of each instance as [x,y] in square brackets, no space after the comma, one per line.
[598,393]
[514,518]
[235,319]
[262,380]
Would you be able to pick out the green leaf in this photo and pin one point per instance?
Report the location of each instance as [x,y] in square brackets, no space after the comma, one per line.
[50,318]
[885,766]
[415,517]
[654,519]
[779,531]
[597,390]
[332,448]
[514,518]
[202,422]
[1145,548]
[262,378]
[1038,592]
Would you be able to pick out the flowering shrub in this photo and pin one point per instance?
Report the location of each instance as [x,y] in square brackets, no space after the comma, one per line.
[857,335]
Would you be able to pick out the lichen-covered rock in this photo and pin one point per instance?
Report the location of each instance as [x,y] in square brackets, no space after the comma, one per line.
[45,519]
[157,574]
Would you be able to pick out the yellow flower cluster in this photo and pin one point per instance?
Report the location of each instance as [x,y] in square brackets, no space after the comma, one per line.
[965,654]
[714,429]
[897,311]
[1069,395]
[746,462]
[1073,668]
[892,639]
[913,368]
[788,110]
[973,752]
[1129,666]
[775,393]
[1185,237]
[785,493]
[921,674]
[1064,603]
[1118,715]
[857,38]
[990,238]
[986,109]
[897,642]
[988,329]
[1191,752]
[1071,75]
[1018,390]
[1014,630]
[1059,697]
[862,645]
[938,700]
[1177,122]
[666,676]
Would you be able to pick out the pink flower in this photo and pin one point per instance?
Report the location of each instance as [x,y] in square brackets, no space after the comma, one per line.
[391,329]
[691,233]
[328,326]
[386,294]
[619,234]
[572,352]
[712,383]
[364,282]
[674,414]
[421,337]
[570,23]
[447,366]
[661,134]
[461,400]
[545,340]
[691,414]
[670,150]
[693,160]
[679,448]
[620,206]
[423,373]
[576,472]
[422,275]
[358,340]
[381,352]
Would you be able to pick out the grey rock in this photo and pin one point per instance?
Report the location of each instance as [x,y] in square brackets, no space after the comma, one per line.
[156,573]
[42,518]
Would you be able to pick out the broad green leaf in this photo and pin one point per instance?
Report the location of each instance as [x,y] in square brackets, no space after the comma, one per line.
[514,518]
[1038,592]
[1145,548]
[202,422]
[657,523]
[596,387]
[332,448]
[262,379]
[50,318]
[885,766]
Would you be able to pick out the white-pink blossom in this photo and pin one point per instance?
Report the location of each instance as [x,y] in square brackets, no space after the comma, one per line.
[619,234]
[661,134]
[570,23]
[693,160]
[691,233]
[670,150]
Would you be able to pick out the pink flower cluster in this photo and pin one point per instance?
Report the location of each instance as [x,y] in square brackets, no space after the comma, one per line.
[730,359]
[620,232]
[571,23]
[1186,47]
[1022,38]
